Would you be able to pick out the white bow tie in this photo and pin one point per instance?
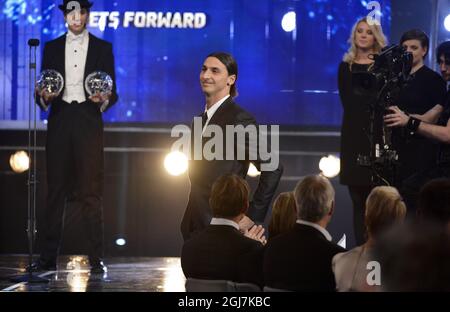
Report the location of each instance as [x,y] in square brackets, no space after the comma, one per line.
[75,38]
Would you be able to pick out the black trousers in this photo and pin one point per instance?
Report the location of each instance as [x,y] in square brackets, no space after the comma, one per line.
[359,196]
[74,151]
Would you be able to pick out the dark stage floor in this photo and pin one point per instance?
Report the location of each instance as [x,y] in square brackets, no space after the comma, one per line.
[142,274]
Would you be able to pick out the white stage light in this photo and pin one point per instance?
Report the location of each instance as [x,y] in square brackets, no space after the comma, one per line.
[330,166]
[288,23]
[176,163]
[121,242]
[447,22]
[252,171]
[19,161]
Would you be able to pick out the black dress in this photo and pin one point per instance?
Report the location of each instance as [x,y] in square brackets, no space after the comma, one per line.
[354,142]
[417,153]
[354,129]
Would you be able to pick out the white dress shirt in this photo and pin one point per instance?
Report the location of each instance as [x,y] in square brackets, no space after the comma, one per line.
[210,112]
[317,227]
[222,221]
[76,55]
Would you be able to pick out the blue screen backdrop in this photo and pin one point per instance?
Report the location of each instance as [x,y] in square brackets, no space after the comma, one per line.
[286,78]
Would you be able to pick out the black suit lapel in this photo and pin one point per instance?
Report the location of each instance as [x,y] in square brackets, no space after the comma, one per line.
[219,117]
[59,58]
[92,57]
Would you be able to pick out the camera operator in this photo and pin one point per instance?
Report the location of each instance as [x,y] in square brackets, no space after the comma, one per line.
[423,126]
[423,97]
[364,41]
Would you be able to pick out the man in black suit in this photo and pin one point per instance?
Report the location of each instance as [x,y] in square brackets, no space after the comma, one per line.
[74,146]
[221,251]
[218,82]
[300,259]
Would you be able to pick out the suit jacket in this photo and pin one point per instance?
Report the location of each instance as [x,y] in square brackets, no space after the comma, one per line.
[203,173]
[99,58]
[221,252]
[300,260]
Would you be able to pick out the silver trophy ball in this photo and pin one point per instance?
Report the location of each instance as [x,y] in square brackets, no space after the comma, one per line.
[98,82]
[51,81]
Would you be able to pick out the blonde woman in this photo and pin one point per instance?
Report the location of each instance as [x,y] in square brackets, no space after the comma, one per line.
[365,40]
[384,208]
[284,214]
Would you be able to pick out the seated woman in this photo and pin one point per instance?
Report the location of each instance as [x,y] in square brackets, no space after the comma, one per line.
[284,214]
[384,208]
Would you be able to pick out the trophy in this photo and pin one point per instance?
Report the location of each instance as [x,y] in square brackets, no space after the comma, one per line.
[51,81]
[98,82]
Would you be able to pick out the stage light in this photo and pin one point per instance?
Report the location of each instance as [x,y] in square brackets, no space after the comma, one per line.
[176,163]
[447,22]
[121,242]
[252,171]
[330,166]
[288,23]
[19,161]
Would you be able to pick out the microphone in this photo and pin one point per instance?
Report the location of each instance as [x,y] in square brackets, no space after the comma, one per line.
[33,42]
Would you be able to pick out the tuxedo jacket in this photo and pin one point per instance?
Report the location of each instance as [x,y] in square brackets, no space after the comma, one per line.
[203,173]
[300,260]
[221,252]
[99,58]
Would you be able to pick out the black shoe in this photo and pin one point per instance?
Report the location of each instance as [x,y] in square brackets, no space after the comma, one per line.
[41,265]
[97,267]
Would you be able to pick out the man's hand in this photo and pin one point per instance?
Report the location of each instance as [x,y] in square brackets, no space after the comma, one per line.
[47,96]
[397,119]
[256,233]
[245,224]
[99,97]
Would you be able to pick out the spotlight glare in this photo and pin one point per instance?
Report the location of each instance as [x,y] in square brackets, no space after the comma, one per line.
[19,162]
[176,163]
[447,22]
[252,171]
[330,166]
[121,242]
[288,23]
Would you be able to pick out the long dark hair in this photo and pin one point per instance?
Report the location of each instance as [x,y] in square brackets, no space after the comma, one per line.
[231,65]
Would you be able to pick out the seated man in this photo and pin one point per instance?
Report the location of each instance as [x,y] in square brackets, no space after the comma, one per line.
[300,260]
[221,251]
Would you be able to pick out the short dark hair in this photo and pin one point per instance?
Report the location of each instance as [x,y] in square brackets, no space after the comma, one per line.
[66,12]
[230,63]
[434,201]
[443,49]
[229,196]
[416,34]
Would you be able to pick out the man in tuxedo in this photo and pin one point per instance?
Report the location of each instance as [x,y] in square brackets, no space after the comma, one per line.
[300,260]
[221,251]
[218,82]
[74,147]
